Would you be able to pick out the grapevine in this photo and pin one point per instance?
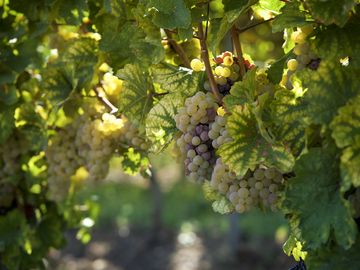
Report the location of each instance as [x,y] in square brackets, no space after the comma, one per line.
[83,83]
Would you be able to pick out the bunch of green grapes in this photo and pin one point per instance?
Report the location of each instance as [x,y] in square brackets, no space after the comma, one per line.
[255,189]
[95,141]
[355,202]
[112,86]
[194,143]
[63,161]
[305,57]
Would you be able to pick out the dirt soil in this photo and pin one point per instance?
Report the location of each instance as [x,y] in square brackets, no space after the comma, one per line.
[167,250]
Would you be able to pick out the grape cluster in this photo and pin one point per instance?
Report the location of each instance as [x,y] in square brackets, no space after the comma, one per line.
[304,55]
[194,142]
[63,161]
[95,142]
[112,86]
[89,142]
[255,189]
[355,202]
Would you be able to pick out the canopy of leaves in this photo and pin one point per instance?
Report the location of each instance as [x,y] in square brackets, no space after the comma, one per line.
[314,202]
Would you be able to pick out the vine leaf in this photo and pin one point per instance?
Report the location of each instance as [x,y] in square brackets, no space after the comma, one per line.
[329,88]
[170,14]
[72,71]
[276,69]
[249,148]
[331,11]
[334,43]
[291,16]
[335,258]
[160,123]
[346,132]
[219,202]
[314,202]
[136,98]
[176,79]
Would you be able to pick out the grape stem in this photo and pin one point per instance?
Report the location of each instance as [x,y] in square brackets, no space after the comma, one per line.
[103,99]
[236,41]
[205,58]
[241,30]
[178,49]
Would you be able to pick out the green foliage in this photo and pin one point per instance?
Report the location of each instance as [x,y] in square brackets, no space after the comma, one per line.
[56,53]
[170,14]
[315,204]
[331,11]
[292,15]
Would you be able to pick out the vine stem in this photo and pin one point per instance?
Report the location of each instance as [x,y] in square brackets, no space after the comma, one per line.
[179,50]
[241,30]
[103,99]
[236,41]
[205,58]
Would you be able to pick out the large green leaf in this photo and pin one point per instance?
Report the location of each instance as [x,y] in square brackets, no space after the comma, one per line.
[331,11]
[176,79]
[136,98]
[248,148]
[346,132]
[72,71]
[335,258]
[314,203]
[276,70]
[291,16]
[334,43]
[170,14]
[160,123]
[286,114]
[329,88]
